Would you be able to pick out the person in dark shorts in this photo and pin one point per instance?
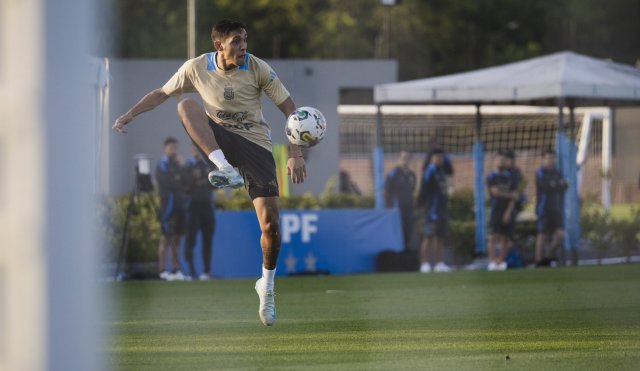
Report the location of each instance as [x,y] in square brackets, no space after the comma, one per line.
[550,189]
[501,195]
[200,212]
[435,206]
[230,129]
[398,192]
[170,179]
[517,184]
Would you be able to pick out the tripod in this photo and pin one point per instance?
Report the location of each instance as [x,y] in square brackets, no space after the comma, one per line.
[141,191]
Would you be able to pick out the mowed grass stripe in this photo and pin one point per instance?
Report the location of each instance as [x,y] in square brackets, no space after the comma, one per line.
[573,318]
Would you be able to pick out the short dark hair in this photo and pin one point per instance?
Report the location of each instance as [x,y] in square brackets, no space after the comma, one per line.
[437,151]
[508,153]
[548,151]
[170,140]
[224,27]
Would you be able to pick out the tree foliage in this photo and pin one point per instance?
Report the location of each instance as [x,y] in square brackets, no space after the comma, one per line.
[428,38]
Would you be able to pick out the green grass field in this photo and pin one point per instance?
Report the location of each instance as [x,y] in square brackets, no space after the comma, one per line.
[572,318]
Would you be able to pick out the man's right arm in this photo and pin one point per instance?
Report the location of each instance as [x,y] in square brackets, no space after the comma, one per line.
[150,101]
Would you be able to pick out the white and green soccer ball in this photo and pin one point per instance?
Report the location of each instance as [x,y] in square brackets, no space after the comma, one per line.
[306,127]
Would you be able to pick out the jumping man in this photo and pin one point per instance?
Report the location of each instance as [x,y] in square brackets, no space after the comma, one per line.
[232,132]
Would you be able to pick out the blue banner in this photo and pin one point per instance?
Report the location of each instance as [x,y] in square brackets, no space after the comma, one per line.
[332,241]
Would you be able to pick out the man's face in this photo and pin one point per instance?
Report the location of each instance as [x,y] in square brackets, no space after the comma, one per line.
[549,160]
[508,162]
[404,159]
[171,150]
[437,159]
[233,47]
[499,162]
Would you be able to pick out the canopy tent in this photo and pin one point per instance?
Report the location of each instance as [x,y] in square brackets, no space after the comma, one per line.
[563,78]
[561,75]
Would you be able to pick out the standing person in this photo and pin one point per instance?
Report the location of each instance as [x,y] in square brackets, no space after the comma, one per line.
[232,131]
[501,196]
[398,191]
[436,228]
[550,188]
[200,212]
[169,176]
[517,184]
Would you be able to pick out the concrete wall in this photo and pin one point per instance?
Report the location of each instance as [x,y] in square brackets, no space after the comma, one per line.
[311,83]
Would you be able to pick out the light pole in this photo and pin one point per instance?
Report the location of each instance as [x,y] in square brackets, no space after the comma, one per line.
[191,29]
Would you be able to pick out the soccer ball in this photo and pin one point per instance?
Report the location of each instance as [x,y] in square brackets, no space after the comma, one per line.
[306,127]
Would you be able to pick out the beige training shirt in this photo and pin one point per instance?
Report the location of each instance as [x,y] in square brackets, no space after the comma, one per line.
[231,98]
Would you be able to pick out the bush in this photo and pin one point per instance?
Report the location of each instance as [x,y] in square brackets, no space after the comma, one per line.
[462,205]
[463,241]
[597,228]
[144,227]
[626,233]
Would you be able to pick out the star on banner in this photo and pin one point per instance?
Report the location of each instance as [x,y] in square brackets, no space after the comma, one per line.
[291,263]
[310,261]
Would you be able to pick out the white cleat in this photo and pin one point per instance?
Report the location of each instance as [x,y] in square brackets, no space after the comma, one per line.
[425,268]
[164,275]
[204,277]
[178,276]
[492,266]
[267,310]
[227,177]
[442,267]
[502,266]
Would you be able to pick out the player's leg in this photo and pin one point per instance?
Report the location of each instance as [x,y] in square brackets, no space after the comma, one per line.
[267,210]
[557,240]
[492,240]
[207,226]
[540,237]
[505,245]
[442,227]
[162,257]
[174,242]
[196,123]
[190,241]
[425,247]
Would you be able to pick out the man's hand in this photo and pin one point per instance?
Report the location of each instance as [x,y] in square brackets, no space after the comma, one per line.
[121,121]
[506,217]
[297,169]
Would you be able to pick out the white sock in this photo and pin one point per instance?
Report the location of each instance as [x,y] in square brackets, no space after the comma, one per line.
[218,159]
[268,278]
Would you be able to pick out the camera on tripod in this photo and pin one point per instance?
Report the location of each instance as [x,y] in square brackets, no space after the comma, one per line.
[143,173]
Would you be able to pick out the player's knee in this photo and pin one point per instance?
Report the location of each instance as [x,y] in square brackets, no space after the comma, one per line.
[271,228]
[184,106]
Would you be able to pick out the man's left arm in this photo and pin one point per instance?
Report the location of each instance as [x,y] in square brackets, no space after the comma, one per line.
[296,166]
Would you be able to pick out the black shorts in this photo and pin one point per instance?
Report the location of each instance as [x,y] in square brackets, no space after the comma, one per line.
[256,164]
[550,222]
[437,228]
[496,226]
[172,215]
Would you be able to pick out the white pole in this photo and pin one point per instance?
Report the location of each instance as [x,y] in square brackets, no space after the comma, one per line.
[23,257]
[191,28]
[606,160]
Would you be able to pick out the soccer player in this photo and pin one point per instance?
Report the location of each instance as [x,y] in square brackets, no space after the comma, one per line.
[436,228]
[200,212]
[398,191]
[550,188]
[501,195]
[232,131]
[169,176]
